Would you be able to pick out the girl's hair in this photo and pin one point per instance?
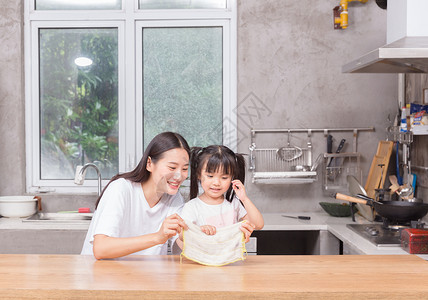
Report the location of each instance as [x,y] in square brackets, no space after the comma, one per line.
[216,158]
[157,147]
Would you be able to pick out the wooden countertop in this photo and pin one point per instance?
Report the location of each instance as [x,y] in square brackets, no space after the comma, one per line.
[264,277]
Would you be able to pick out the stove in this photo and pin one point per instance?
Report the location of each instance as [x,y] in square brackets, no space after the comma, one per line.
[383,234]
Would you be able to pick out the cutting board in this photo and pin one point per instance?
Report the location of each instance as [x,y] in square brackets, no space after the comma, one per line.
[377,174]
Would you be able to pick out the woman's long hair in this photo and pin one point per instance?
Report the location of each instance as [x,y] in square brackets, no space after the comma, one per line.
[157,147]
[215,158]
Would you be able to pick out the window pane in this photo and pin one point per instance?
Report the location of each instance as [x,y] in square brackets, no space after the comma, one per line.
[78,101]
[181,4]
[182,78]
[78,4]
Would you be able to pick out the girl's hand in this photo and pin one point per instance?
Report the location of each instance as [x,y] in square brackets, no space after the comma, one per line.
[247,228]
[239,189]
[171,226]
[208,229]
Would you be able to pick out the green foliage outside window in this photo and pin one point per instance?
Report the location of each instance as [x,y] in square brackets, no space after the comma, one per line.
[78,105]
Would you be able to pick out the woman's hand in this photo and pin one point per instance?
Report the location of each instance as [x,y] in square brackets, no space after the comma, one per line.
[247,228]
[171,226]
[208,229]
[239,189]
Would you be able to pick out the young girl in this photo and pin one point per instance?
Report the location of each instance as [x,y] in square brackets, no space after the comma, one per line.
[137,211]
[220,173]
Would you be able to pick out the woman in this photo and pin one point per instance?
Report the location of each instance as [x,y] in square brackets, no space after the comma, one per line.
[138,210]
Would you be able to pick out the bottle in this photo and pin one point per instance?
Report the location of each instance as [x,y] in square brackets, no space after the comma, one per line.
[403,124]
[408,123]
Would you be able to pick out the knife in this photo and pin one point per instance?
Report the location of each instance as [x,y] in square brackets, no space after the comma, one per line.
[298,217]
[339,148]
[329,143]
[332,169]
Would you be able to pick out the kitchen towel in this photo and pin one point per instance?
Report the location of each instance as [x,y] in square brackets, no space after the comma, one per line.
[225,247]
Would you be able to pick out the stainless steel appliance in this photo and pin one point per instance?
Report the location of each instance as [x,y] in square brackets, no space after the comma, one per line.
[383,234]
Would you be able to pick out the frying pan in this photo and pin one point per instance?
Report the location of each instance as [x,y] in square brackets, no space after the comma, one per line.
[399,211]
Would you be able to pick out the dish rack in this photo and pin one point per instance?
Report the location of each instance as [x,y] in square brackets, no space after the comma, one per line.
[290,164]
[336,168]
[280,165]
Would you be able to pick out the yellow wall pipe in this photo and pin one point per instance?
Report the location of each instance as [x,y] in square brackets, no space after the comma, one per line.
[343,19]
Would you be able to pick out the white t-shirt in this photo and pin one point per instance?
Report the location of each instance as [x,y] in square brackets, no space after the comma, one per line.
[220,215]
[124,212]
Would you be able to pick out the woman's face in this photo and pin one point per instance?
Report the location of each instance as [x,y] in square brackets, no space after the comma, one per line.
[169,171]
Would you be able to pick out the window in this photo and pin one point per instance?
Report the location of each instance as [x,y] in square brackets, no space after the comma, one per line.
[78,82]
[189,59]
[77,4]
[103,78]
[180,4]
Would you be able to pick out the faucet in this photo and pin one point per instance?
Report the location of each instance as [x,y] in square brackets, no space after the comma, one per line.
[81,172]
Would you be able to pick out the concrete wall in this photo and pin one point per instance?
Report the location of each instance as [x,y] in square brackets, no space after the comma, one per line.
[289,59]
[12,127]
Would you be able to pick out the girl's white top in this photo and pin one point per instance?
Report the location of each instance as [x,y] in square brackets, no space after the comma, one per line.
[124,212]
[227,213]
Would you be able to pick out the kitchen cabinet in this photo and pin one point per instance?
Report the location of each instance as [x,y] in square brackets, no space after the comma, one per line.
[43,241]
[348,249]
[296,242]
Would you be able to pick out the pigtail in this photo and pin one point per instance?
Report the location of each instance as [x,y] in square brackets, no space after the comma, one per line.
[240,164]
[238,174]
[195,153]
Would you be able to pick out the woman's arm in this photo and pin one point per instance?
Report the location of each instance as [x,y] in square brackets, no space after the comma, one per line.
[113,247]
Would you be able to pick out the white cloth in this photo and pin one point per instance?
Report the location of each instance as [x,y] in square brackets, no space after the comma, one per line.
[124,212]
[225,247]
[227,213]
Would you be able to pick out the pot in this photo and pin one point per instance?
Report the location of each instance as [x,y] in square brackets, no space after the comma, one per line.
[19,206]
[396,211]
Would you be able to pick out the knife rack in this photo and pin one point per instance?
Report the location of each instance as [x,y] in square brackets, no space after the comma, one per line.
[336,168]
[267,166]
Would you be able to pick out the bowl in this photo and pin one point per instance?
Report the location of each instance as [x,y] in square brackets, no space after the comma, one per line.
[18,206]
[337,209]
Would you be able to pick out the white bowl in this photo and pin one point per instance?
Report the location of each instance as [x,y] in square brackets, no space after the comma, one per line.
[18,206]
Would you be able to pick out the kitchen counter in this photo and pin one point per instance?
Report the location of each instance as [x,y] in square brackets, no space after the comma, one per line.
[263,277]
[336,226]
[273,221]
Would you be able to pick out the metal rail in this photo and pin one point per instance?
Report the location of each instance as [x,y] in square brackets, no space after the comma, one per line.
[325,130]
[310,130]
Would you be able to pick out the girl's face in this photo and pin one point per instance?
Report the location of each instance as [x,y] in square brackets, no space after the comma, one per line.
[169,172]
[215,185]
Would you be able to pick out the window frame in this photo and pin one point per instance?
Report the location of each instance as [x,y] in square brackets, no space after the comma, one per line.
[128,21]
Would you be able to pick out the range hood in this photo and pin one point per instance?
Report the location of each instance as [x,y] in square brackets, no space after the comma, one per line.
[406,55]
[406,50]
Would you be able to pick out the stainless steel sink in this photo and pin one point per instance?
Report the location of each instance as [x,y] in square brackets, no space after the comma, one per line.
[59,218]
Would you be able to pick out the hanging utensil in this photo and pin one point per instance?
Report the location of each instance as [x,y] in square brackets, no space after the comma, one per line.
[290,152]
[317,162]
[394,187]
[397,163]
